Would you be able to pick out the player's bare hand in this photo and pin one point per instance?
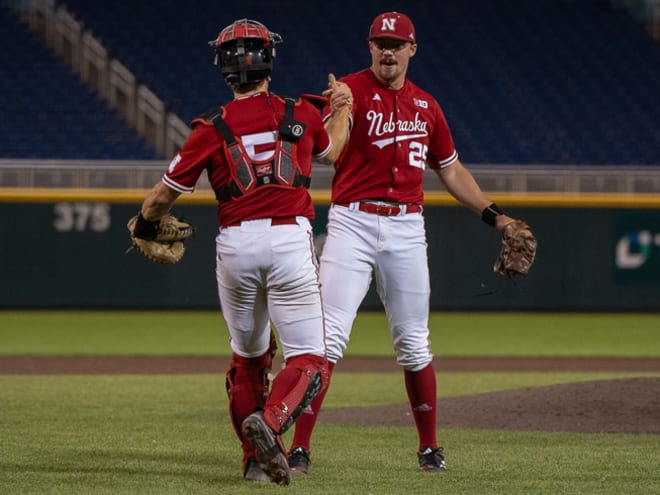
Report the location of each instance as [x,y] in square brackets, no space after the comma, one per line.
[339,93]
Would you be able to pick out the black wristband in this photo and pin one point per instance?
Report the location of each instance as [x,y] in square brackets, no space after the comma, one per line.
[490,212]
[145,229]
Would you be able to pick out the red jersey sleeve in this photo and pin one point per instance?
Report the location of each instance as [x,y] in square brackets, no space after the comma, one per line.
[442,151]
[187,166]
[321,140]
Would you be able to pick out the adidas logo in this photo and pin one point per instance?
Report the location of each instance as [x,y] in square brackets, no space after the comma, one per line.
[423,408]
[376,97]
[308,410]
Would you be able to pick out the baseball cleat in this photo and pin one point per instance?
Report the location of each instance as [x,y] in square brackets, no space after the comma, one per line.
[267,449]
[432,460]
[299,460]
[253,471]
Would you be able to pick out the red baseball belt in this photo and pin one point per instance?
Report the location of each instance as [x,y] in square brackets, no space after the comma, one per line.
[382,209]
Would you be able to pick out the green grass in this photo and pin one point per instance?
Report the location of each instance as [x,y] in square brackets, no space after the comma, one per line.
[546,334]
[374,389]
[113,332]
[170,435]
[70,435]
[452,334]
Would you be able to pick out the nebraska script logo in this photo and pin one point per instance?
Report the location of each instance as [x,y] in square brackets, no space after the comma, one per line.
[379,127]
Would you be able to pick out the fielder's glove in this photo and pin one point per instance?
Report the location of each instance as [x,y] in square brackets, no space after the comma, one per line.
[518,250]
[160,241]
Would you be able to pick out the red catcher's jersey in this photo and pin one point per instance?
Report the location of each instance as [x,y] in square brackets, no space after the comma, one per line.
[395,134]
[255,121]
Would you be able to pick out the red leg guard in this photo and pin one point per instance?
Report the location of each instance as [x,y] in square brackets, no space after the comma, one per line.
[247,390]
[302,436]
[294,388]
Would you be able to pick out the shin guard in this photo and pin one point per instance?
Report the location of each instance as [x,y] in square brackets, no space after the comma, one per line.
[247,389]
[294,388]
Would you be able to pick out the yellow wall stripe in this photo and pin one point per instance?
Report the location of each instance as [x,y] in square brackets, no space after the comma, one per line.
[567,200]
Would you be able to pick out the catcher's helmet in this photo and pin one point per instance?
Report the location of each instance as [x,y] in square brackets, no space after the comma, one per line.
[245,51]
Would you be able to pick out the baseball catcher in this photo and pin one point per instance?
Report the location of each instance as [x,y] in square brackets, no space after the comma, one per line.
[160,241]
[257,152]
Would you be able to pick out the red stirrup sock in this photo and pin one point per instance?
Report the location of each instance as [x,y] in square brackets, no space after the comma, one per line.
[421,388]
[302,436]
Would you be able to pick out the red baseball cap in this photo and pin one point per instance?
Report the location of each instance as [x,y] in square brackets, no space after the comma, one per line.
[392,25]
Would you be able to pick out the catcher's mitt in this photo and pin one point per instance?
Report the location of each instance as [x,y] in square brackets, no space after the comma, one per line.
[164,243]
[518,250]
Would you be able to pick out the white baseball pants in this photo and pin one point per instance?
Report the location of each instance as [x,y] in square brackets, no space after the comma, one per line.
[267,273]
[394,250]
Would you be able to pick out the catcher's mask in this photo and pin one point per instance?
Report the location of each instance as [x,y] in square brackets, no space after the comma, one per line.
[245,51]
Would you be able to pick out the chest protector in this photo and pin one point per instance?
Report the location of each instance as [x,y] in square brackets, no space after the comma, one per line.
[282,169]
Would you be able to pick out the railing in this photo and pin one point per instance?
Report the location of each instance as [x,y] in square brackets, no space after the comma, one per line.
[496,178]
[114,82]
[143,110]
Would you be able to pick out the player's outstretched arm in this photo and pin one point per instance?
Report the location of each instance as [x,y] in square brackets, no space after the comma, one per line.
[158,201]
[461,184]
[338,123]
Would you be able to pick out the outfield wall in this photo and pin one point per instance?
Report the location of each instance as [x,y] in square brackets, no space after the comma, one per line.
[68,249]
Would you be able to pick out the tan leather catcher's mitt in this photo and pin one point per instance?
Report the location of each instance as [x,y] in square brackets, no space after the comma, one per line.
[167,246]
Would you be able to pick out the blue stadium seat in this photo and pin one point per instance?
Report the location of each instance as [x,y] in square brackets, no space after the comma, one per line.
[542,82]
[48,113]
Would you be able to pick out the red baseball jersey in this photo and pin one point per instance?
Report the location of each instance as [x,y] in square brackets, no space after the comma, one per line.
[255,121]
[395,134]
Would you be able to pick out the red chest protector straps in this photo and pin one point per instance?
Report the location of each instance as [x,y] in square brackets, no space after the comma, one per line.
[282,169]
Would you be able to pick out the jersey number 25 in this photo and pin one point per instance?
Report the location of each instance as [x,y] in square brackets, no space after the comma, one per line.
[417,154]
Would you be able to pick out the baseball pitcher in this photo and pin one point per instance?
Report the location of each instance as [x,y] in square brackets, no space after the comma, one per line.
[376,224]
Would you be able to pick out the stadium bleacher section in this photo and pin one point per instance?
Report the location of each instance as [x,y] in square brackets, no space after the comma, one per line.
[543,82]
[47,111]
